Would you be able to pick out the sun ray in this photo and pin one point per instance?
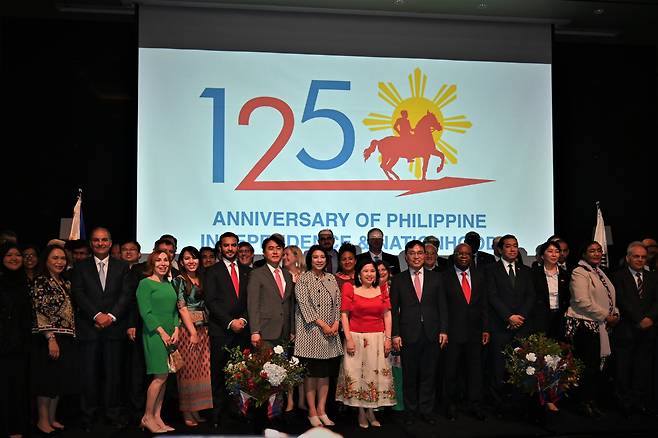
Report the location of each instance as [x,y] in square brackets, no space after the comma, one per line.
[447,150]
[448,101]
[390,94]
[411,86]
[435,99]
[446,93]
[378,122]
[395,90]
[386,99]
[457,124]
[422,88]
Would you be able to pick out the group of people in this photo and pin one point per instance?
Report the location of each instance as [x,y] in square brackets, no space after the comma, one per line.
[106,321]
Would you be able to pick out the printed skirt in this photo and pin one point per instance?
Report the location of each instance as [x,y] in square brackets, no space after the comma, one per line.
[194,387]
[365,379]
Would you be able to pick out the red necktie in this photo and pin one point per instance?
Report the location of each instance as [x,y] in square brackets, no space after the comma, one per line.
[234,279]
[466,288]
[417,286]
[279,282]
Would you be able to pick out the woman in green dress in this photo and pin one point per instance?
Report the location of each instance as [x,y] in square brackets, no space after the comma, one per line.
[157,299]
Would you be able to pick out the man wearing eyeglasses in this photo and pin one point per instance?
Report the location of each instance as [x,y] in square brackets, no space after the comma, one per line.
[326,241]
[420,328]
[375,253]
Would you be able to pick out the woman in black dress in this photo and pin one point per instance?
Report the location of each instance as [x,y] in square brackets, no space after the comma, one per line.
[53,340]
[15,324]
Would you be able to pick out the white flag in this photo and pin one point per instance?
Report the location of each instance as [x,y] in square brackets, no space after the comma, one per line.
[599,235]
[77,219]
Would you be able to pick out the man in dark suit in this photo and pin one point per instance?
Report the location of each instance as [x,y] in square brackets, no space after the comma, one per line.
[420,324]
[637,299]
[226,299]
[101,289]
[432,260]
[480,259]
[375,253]
[271,298]
[466,296]
[511,296]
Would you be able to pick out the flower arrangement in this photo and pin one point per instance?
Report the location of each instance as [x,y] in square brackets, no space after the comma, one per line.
[261,376]
[542,366]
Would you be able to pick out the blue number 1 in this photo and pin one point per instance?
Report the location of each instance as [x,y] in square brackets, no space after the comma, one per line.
[218,121]
[341,119]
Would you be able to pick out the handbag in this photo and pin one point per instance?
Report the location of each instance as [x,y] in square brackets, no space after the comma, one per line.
[175,361]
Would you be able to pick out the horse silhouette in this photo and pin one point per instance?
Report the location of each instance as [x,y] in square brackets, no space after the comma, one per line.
[418,145]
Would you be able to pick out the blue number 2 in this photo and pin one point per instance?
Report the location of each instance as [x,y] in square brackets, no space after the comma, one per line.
[310,112]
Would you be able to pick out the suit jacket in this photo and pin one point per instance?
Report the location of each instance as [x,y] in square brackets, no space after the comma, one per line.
[441,265]
[467,320]
[408,312]
[269,314]
[542,310]
[223,304]
[390,259]
[505,300]
[90,298]
[632,308]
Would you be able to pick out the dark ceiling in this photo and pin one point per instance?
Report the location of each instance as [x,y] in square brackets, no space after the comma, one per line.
[607,21]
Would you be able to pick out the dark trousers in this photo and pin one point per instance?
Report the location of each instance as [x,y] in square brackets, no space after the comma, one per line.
[499,341]
[587,347]
[419,361]
[218,359]
[14,393]
[633,359]
[101,361]
[464,359]
[135,375]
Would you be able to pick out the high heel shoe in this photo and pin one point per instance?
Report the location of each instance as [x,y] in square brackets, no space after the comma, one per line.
[363,421]
[325,420]
[370,415]
[315,421]
[57,425]
[153,428]
[189,420]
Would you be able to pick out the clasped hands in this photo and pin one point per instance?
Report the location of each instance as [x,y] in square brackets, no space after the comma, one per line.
[515,321]
[169,340]
[328,330]
[103,320]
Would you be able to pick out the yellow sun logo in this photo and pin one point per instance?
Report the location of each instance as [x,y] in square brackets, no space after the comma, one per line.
[416,107]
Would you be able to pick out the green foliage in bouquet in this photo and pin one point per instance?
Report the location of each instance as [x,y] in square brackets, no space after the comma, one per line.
[540,365]
[261,374]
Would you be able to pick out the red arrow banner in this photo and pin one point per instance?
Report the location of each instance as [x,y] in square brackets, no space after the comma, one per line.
[410,187]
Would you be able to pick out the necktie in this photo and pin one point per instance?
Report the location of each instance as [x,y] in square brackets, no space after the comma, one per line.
[417,286]
[512,276]
[328,266]
[234,279]
[466,287]
[376,259]
[279,282]
[101,274]
[640,284]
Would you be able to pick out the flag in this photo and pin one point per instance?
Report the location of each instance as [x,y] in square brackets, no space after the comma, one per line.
[599,235]
[77,224]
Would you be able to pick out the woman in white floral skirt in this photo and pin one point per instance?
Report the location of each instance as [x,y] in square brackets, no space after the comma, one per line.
[365,380]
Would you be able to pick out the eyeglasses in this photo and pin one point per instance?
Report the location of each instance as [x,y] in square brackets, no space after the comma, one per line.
[416,253]
[326,238]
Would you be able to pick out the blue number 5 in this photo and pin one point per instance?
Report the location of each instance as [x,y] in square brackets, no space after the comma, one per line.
[311,113]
